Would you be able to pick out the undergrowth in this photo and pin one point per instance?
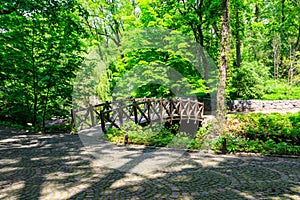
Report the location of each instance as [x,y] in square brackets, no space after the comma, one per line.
[273,133]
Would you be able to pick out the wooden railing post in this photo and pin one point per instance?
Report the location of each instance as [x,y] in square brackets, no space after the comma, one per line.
[73,115]
[107,107]
[202,110]
[171,109]
[188,110]
[161,110]
[148,111]
[103,127]
[91,110]
[135,111]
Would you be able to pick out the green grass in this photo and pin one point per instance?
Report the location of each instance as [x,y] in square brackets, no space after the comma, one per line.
[280,90]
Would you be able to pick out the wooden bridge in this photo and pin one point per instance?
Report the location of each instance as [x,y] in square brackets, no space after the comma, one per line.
[142,111]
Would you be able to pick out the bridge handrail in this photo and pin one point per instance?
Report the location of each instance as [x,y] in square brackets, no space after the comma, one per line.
[142,110]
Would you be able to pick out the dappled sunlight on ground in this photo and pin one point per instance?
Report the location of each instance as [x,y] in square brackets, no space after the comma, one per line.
[59,166]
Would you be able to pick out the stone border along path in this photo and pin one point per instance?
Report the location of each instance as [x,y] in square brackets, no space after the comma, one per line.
[58,166]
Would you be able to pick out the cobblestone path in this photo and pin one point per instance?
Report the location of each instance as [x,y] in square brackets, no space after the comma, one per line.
[59,166]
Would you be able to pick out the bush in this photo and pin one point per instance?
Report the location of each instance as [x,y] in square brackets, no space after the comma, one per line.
[155,135]
[263,133]
[255,132]
[199,138]
[249,81]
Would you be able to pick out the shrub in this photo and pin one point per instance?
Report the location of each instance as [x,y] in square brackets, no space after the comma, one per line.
[156,134]
[275,126]
[199,138]
[249,81]
[263,133]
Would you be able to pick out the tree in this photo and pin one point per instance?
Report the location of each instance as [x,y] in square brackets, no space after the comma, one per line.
[39,57]
[151,73]
[237,23]
[105,22]
[224,58]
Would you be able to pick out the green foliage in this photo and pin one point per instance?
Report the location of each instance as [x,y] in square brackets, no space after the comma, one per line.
[155,135]
[249,81]
[92,80]
[43,43]
[39,58]
[16,126]
[268,134]
[237,144]
[115,135]
[198,141]
[254,133]
[162,73]
[162,138]
[62,128]
[281,90]
[158,135]
[275,126]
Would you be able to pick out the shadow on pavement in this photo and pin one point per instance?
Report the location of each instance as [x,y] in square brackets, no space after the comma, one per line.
[58,166]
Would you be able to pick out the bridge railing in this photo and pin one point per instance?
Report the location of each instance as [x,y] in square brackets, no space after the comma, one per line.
[142,111]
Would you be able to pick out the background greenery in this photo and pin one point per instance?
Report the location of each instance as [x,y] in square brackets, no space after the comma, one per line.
[48,49]
[40,52]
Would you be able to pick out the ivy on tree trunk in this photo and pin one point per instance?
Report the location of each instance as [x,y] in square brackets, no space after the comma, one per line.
[224,57]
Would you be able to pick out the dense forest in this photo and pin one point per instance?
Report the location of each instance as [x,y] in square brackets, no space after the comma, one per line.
[54,50]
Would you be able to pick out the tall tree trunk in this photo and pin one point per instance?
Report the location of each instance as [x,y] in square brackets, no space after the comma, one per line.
[34,79]
[282,33]
[238,40]
[276,48]
[221,96]
[256,19]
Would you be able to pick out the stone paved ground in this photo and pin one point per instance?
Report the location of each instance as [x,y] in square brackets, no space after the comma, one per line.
[59,166]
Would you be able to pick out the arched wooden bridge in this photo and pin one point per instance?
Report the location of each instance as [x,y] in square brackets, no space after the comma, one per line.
[142,111]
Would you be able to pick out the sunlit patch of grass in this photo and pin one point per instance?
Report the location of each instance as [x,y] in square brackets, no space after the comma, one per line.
[281,91]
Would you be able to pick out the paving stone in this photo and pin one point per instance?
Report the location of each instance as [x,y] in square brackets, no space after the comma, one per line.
[58,166]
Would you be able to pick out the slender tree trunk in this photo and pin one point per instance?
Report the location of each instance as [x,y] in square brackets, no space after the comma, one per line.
[221,96]
[35,81]
[276,45]
[45,109]
[238,40]
[256,19]
[282,35]
[256,13]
